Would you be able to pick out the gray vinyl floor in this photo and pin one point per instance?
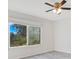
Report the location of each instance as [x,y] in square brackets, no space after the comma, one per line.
[50,55]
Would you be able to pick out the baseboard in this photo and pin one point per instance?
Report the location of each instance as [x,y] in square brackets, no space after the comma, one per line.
[63,51]
[38,54]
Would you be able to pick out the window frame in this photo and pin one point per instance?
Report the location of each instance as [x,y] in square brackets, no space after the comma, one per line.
[27,25]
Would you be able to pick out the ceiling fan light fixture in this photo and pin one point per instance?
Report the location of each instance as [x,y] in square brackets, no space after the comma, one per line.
[54,11]
[57,11]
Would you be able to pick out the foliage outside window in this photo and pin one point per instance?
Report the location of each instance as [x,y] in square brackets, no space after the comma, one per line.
[34,35]
[18,35]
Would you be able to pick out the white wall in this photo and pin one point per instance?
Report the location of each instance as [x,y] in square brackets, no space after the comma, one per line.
[46,36]
[55,35]
[62,35]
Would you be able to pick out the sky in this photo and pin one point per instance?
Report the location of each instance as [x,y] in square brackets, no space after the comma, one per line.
[12,28]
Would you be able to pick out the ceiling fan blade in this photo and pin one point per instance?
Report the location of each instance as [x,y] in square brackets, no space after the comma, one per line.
[65,8]
[49,10]
[49,4]
[63,2]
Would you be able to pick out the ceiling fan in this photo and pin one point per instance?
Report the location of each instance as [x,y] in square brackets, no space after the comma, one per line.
[58,6]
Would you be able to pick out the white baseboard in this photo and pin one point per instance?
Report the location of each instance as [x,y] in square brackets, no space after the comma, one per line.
[69,52]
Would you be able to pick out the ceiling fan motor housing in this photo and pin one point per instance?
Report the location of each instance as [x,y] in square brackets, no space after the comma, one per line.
[57,5]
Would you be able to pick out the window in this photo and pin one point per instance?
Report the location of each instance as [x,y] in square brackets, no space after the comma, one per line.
[34,35]
[19,36]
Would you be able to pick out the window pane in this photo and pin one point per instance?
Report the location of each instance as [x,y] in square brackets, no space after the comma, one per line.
[17,35]
[34,35]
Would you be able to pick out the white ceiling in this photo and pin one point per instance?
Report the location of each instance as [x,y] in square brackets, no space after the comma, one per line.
[38,8]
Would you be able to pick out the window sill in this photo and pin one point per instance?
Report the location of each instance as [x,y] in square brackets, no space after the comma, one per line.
[26,46]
